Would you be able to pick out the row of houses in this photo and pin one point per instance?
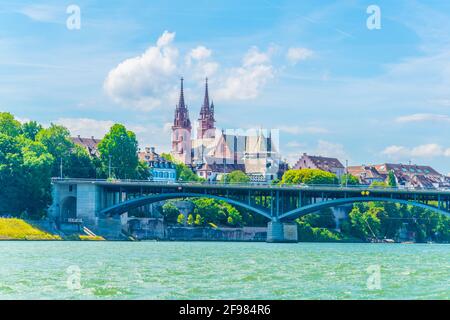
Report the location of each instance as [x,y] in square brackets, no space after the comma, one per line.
[406,175]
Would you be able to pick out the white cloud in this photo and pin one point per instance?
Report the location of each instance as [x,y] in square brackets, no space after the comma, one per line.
[422,151]
[423,117]
[255,57]
[147,135]
[303,129]
[147,81]
[199,53]
[246,82]
[165,39]
[295,144]
[41,13]
[323,148]
[330,149]
[85,127]
[294,55]
[199,65]
[141,82]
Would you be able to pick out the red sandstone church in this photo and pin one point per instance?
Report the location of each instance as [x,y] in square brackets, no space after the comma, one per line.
[216,152]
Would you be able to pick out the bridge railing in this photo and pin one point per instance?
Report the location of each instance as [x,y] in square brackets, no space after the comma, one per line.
[254,184]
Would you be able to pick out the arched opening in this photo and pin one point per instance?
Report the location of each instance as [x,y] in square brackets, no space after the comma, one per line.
[339,202]
[138,202]
[69,209]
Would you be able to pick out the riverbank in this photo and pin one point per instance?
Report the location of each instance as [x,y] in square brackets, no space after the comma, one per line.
[12,229]
[18,229]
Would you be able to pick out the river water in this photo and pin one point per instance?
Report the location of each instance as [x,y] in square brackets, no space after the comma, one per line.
[220,270]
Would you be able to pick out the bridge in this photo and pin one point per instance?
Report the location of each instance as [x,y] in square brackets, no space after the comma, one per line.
[91,200]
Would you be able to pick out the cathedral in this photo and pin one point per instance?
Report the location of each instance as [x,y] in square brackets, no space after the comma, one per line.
[214,153]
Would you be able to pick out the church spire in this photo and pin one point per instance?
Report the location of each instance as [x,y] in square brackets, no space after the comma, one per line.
[206,99]
[181,119]
[181,103]
[206,121]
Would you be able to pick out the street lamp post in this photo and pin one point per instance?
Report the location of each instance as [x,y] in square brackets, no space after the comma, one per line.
[61,168]
[346,173]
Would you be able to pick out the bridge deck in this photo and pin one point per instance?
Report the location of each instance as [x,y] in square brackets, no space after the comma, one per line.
[254,187]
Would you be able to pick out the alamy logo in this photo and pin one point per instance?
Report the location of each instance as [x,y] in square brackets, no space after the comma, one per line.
[374,279]
[374,20]
[73,22]
[73,281]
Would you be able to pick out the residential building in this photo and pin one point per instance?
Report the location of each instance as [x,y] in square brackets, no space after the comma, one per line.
[215,171]
[406,175]
[161,170]
[366,174]
[89,144]
[332,165]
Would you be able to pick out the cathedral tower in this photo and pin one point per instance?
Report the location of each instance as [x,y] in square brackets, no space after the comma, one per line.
[181,131]
[206,128]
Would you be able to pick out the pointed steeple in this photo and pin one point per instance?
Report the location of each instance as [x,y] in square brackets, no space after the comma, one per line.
[181,119]
[212,110]
[206,99]
[206,121]
[181,103]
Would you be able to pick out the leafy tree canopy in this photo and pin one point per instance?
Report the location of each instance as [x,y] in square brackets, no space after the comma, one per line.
[120,146]
[308,176]
[236,176]
[31,129]
[350,180]
[9,125]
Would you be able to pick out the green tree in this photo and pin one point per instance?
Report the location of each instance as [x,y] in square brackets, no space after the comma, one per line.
[170,212]
[349,180]
[198,220]
[392,182]
[181,219]
[25,168]
[364,224]
[79,164]
[378,184]
[307,233]
[75,161]
[143,171]
[217,212]
[184,173]
[8,125]
[236,176]
[323,219]
[30,129]
[190,220]
[308,176]
[120,147]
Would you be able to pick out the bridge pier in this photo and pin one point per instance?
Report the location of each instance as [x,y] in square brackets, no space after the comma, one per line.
[281,232]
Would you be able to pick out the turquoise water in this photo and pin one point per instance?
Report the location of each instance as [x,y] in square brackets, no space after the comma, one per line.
[218,270]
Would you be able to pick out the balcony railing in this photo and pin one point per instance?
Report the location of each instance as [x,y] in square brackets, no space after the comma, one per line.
[254,184]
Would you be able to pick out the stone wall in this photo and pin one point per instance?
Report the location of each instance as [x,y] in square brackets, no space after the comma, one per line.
[156,229]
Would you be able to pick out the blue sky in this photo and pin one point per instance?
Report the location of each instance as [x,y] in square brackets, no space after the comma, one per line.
[311,69]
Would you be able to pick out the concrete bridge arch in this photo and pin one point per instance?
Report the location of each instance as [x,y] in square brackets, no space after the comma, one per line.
[307,209]
[145,200]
